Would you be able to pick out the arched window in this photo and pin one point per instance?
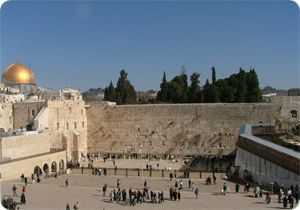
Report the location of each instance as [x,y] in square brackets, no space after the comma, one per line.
[46,168]
[294,113]
[53,167]
[61,165]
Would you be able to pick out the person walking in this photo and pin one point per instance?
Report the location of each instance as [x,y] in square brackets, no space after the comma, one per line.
[67,182]
[67,207]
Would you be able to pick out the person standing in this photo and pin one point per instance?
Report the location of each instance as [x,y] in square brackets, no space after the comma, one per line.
[237,187]
[104,189]
[224,188]
[214,179]
[24,189]
[67,207]
[190,183]
[23,199]
[14,189]
[67,182]
[76,206]
[118,183]
[197,193]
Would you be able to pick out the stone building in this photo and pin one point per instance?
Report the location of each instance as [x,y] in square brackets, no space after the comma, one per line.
[39,133]
[263,161]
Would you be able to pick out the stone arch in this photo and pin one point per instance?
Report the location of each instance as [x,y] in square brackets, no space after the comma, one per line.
[294,114]
[61,165]
[53,166]
[37,170]
[46,168]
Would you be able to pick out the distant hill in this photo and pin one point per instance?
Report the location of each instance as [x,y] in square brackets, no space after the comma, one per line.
[269,89]
[93,94]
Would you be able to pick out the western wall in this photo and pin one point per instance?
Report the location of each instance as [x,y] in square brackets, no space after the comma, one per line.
[182,129]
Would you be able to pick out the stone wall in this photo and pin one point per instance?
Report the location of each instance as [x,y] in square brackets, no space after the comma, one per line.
[14,169]
[25,112]
[182,129]
[25,145]
[6,116]
[67,120]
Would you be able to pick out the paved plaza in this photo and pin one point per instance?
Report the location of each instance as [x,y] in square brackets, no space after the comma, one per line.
[87,190]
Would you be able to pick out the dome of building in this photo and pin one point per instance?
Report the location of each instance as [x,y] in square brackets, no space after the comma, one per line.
[18,74]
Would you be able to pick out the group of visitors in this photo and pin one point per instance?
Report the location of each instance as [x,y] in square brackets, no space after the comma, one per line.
[9,203]
[208,180]
[290,196]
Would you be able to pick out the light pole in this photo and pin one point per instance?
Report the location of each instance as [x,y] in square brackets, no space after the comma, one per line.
[141,150]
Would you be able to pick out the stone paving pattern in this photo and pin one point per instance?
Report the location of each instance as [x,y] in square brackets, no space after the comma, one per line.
[87,190]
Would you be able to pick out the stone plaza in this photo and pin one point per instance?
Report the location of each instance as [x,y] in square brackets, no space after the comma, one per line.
[87,190]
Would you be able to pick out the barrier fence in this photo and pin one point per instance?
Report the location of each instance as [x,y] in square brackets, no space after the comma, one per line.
[158,173]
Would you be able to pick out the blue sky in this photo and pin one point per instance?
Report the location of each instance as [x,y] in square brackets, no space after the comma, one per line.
[85,44]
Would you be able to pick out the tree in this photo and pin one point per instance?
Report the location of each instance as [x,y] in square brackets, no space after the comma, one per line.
[125,92]
[211,94]
[254,93]
[110,93]
[242,86]
[213,74]
[162,94]
[194,89]
[177,89]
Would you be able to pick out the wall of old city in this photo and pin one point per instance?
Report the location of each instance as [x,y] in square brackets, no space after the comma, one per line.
[14,147]
[182,129]
[6,116]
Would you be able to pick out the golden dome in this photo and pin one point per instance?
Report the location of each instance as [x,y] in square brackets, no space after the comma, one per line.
[18,74]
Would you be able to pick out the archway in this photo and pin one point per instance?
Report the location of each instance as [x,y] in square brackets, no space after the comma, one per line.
[53,166]
[61,165]
[294,113]
[37,170]
[46,168]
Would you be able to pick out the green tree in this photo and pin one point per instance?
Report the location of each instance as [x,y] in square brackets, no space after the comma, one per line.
[194,89]
[110,93]
[226,92]
[242,86]
[125,92]
[254,93]
[162,95]
[213,74]
[211,94]
[178,89]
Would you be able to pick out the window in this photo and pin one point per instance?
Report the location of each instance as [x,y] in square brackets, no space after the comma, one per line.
[67,126]
[294,113]
[32,113]
[82,112]
[57,125]
[75,125]
[82,124]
